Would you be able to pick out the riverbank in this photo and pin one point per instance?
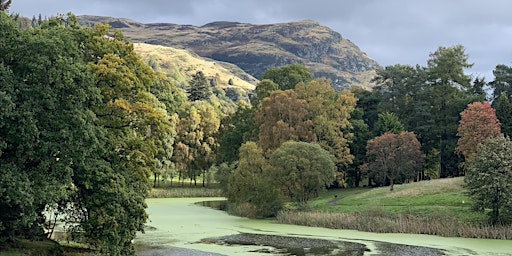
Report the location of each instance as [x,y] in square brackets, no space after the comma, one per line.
[437,207]
[183,224]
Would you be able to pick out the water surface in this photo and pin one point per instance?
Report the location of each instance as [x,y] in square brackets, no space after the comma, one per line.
[177,226]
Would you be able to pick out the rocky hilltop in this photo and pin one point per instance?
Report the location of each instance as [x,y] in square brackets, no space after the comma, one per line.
[254,48]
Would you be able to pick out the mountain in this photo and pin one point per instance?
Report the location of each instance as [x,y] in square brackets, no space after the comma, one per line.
[254,48]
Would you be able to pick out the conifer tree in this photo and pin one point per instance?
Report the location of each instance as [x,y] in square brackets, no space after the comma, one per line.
[198,88]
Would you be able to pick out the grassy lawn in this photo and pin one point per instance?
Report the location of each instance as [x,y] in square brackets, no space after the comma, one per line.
[436,207]
[435,198]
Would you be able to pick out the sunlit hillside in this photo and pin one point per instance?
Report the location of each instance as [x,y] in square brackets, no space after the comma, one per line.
[181,64]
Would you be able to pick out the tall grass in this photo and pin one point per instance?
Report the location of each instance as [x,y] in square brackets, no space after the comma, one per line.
[381,223]
[175,192]
[376,219]
[439,207]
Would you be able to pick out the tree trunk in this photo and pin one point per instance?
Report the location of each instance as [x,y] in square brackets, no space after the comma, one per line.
[154,180]
[391,185]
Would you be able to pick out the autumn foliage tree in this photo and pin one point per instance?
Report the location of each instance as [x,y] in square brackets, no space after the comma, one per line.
[283,117]
[329,111]
[394,156]
[478,123]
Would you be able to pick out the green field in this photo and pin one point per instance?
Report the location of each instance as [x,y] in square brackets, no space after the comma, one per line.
[435,198]
[438,207]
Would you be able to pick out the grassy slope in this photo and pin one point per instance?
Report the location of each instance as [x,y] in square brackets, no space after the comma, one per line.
[426,198]
[181,64]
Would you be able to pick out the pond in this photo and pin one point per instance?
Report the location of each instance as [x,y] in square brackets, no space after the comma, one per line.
[178,226]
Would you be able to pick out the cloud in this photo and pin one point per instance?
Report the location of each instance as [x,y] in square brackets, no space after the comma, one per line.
[391,32]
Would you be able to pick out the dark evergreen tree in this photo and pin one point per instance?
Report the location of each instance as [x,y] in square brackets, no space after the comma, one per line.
[199,88]
[502,81]
[503,108]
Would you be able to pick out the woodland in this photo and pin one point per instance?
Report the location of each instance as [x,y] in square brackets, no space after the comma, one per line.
[87,128]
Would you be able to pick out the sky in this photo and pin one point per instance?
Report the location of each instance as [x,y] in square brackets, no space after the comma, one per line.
[388,31]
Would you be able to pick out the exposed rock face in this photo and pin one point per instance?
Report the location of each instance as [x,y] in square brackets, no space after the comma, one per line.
[254,48]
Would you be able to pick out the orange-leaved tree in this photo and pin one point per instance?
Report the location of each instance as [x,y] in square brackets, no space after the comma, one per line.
[478,123]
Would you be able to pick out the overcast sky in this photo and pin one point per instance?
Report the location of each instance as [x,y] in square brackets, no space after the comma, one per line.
[389,31]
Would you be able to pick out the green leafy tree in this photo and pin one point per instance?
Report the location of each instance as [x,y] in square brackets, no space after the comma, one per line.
[222,176]
[89,159]
[234,130]
[45,73]
[251,186]
[391,157]
[199,88]
[478,123]
[195,142]
[302,169]
[489,179]
[287,77]
[113,185]
[503,108]
[263,89]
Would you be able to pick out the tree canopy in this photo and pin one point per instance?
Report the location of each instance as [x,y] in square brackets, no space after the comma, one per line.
[81,132]
[489,179]
[478,123]
[288,76]
[391,157]
[302,169]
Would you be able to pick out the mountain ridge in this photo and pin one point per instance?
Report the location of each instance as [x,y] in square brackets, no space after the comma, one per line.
[257,47]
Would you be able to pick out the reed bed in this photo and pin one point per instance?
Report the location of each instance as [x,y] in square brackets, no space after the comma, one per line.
[176,192]
[379,222]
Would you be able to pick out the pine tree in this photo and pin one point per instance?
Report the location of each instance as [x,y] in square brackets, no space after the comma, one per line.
[198,87]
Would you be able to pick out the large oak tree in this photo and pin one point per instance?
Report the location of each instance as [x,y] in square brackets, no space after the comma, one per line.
[394,156]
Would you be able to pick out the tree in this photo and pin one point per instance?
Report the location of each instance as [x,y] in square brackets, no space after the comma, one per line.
[112,185]
[450,91]
[287,77]
[329,110]
[263,89]
[391,157]
[502,81]
[302,169]
[195,141]
[251,186]
[489,179]
[478,123]
[358,147]
[503,108]
[199,88]
[283,117]
[388,122]
[235,130]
